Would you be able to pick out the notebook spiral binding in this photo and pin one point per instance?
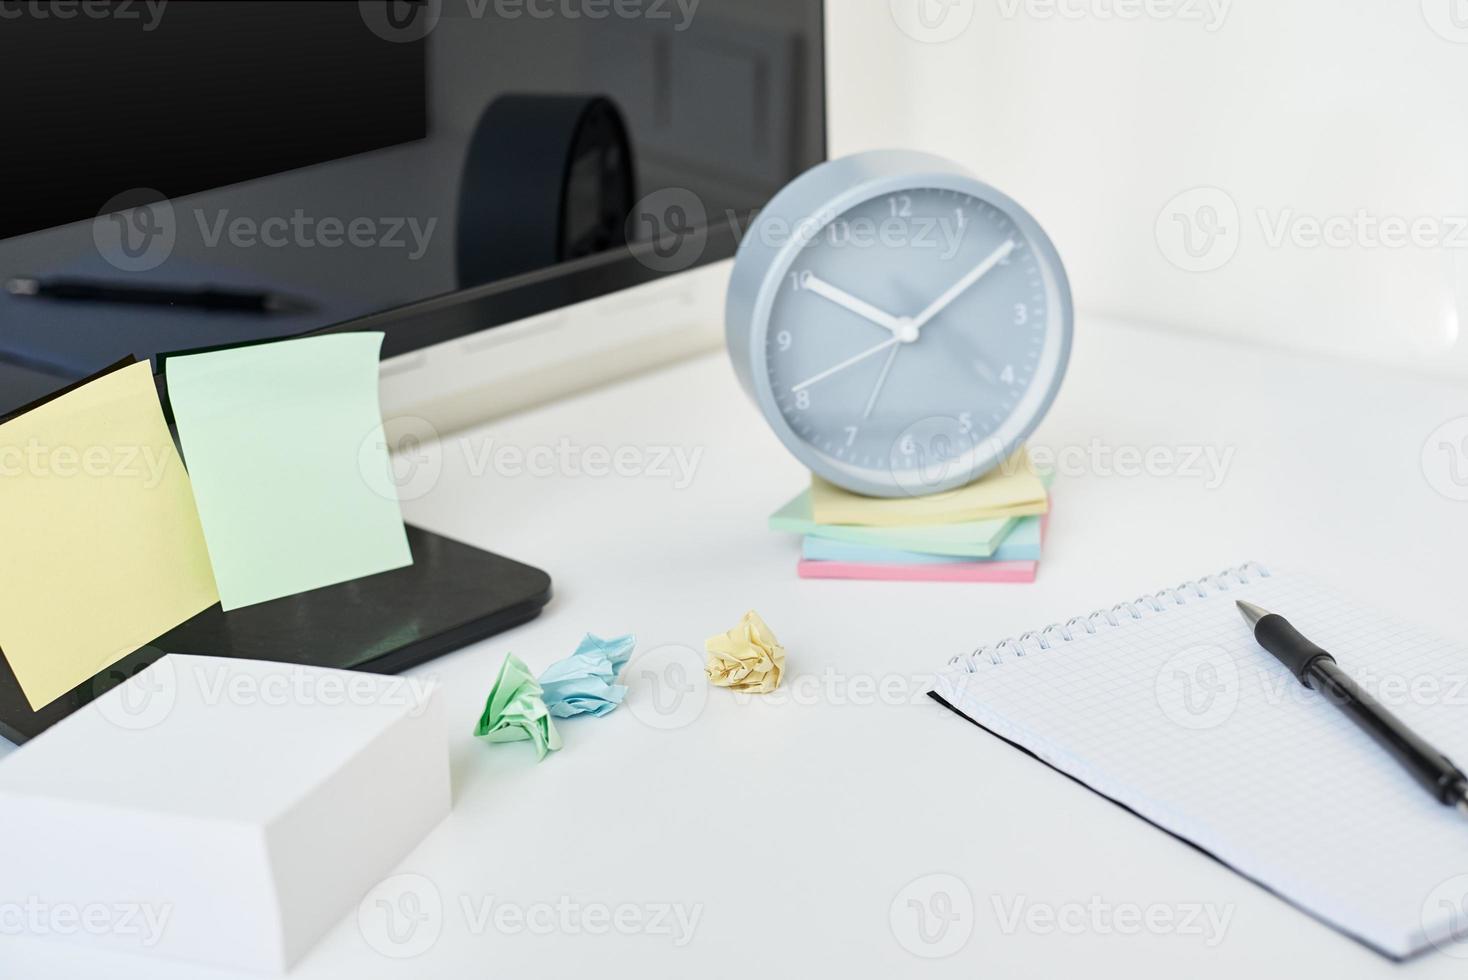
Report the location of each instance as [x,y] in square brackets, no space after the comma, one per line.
[1114,617]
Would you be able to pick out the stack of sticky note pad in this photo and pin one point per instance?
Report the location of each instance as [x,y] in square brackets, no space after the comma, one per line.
[988,531]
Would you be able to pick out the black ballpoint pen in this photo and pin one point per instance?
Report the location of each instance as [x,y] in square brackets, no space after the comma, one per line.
[1318,670]
[197,298]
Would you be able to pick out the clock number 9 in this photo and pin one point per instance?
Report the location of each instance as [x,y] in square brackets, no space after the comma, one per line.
[783,340]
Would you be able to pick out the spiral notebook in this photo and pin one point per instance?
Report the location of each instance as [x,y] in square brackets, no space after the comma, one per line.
[1167,706]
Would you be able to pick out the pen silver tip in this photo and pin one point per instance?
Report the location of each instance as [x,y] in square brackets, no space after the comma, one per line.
[1252,613]
[22,287]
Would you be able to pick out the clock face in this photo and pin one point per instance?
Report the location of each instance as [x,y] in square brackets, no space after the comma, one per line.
[910,332]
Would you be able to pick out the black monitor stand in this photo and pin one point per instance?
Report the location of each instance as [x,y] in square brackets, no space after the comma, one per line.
[452,595]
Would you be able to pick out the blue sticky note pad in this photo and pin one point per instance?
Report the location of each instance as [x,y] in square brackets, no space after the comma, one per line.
[1021,544]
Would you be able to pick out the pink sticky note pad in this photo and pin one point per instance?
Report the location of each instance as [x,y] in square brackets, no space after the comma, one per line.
[984,571]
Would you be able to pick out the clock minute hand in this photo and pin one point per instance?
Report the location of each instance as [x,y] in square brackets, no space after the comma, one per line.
[957,289]
[849,302]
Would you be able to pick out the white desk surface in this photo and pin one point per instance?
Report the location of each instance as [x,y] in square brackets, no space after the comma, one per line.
[795,824]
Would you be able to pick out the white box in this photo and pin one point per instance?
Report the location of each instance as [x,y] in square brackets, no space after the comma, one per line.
[222,811]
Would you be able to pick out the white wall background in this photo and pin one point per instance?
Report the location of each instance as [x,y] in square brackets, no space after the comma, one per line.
[1331,135]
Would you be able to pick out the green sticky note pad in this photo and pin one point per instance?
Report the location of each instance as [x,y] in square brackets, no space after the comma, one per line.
[283,442]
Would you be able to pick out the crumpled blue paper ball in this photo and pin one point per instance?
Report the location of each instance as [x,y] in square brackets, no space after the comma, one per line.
[585,682]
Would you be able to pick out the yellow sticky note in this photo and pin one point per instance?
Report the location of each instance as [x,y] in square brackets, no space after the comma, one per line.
[103,549]
[1012,489]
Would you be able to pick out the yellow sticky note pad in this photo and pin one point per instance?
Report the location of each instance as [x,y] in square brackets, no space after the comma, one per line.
[103,549]
[1012,489]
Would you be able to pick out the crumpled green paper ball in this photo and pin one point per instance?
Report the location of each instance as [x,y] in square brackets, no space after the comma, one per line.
[516,712]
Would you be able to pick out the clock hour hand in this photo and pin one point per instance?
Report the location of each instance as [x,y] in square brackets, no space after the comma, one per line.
[959,288]
[845,300]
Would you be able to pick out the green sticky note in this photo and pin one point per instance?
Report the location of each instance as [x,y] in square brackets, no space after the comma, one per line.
[284,445]
[966,539]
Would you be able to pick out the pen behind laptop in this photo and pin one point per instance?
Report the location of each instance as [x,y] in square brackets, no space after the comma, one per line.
[198,298]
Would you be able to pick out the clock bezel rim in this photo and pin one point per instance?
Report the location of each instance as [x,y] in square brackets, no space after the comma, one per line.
[991,451]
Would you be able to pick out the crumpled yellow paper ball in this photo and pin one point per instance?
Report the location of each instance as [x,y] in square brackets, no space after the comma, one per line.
[747,658]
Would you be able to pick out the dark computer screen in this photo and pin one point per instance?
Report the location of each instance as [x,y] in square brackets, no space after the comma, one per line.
[346,159]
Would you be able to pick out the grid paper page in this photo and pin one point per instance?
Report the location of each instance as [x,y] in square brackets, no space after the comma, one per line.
[1184,718]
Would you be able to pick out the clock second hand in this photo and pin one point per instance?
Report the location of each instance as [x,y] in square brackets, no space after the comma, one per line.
[881,380]
[857,358]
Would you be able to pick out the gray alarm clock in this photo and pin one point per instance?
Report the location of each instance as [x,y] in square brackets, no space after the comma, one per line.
[902,325]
